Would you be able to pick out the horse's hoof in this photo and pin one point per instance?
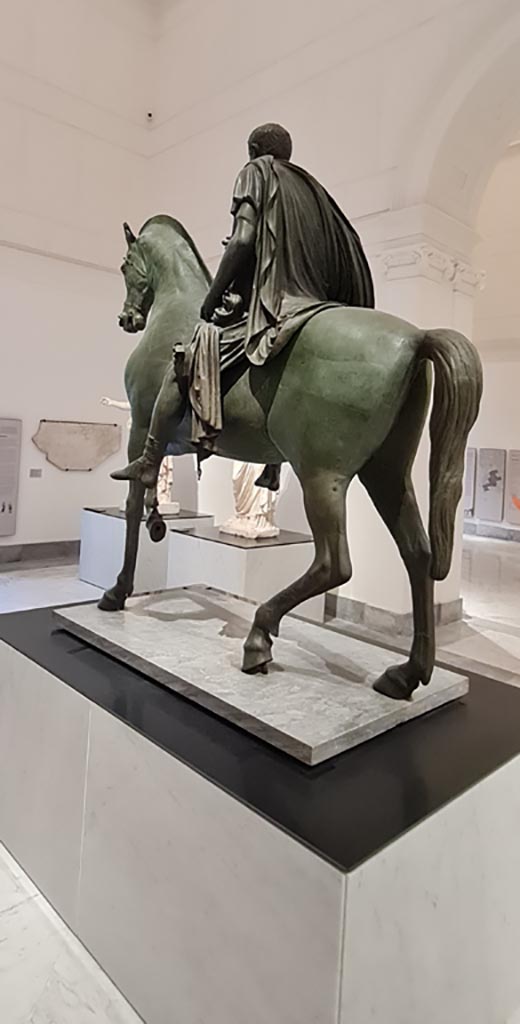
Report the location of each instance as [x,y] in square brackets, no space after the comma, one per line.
[257,652]
[395,683]
[157,530]
[111,602]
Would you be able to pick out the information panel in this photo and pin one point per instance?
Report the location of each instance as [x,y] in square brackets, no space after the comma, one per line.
[491,473]
[469,481]
[512,512]
[10,443]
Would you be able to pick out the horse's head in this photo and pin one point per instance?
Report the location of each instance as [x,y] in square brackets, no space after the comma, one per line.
[139,291]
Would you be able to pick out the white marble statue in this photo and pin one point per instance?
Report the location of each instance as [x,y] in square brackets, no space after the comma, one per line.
[254,506]
[165,480]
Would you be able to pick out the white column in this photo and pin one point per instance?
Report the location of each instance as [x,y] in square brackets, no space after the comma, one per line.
[431,286]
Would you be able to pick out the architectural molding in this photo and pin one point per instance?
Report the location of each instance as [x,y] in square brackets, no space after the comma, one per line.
[59,257]
[424,259]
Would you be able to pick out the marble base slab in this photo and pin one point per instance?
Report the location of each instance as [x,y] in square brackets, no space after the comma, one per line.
[317,699]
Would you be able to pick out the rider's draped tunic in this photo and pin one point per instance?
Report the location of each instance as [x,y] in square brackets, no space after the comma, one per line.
[308,257]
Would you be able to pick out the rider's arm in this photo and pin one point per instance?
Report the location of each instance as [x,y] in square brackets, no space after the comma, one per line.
[239,250]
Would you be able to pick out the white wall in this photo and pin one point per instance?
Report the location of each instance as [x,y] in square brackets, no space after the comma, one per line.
[497,309]
[358,85]
[61,351]
[72,119]
[74,78]
[352,81]
[498,425]
[367,90]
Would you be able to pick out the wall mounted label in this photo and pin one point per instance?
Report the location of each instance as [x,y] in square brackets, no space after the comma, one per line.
[491,473]
[10,445]
[469,481]
[512,513]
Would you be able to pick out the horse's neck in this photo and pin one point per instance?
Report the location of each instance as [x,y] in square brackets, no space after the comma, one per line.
[179,290]
[174,300]
[180,276]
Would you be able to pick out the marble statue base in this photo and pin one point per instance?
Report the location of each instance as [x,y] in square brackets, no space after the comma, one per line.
[169,508]
[250,528]
[317,699]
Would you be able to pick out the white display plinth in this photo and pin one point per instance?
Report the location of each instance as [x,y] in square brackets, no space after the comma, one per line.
[255,569]
[103,545]
[217,883]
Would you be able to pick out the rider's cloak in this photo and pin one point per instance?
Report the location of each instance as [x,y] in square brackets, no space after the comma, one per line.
[307,253]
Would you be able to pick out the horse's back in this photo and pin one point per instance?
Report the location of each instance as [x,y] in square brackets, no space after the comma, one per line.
[353,334]
[345,378]
[363,350]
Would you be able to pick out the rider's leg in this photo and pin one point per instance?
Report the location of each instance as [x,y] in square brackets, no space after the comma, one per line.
[168,412]
[269,477]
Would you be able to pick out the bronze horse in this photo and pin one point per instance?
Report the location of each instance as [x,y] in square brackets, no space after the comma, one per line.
[348,396]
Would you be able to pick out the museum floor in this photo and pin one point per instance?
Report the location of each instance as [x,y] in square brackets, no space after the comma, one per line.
[47,974]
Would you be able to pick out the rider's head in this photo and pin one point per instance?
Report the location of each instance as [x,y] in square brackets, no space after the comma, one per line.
[270,140]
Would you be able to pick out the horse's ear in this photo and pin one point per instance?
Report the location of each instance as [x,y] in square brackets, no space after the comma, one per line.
[129,234]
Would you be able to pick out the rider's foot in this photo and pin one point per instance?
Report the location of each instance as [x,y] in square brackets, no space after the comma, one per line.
[146,468]
[270,478]
[137,470]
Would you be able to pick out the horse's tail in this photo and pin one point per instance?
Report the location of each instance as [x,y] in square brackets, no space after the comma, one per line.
[456,400]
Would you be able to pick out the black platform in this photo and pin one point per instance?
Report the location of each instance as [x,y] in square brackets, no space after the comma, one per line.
[213,533]
[183,513]
[345,810]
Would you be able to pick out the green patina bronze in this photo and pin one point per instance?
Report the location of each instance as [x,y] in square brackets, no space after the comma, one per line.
[348,396]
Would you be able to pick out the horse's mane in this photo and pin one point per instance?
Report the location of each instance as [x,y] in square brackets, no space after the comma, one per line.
[164,218]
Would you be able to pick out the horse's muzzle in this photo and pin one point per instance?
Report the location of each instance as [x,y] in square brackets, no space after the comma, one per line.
[131,321]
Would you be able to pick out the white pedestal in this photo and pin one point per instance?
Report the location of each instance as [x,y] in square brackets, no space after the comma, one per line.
[255,569]
[385,890]
[103,545]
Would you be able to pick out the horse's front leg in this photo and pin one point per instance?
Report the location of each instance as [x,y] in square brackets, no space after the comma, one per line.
[113,600]
[154,521]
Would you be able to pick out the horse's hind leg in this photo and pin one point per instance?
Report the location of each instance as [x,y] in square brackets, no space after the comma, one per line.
[324,494]
[395,501]
[387,479]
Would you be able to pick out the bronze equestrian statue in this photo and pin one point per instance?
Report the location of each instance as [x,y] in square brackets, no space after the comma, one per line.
[289,362]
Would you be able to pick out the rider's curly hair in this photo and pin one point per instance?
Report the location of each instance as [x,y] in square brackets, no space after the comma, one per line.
[271,140]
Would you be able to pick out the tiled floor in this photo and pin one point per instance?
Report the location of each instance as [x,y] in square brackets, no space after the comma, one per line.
[46,975]
[491,576]
[487,639]
[489,635]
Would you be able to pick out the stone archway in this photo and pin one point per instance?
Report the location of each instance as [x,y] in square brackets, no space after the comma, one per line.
[466,128]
